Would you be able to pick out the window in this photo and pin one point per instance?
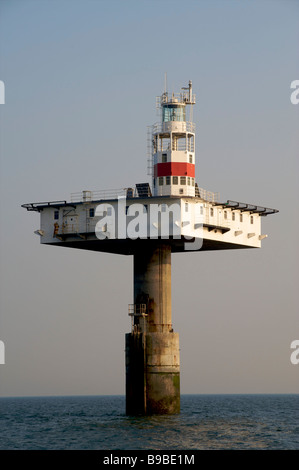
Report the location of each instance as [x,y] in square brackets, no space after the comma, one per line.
[164,143]
[183,180]
[167,179]
[191,143]
[91,212]
[201,210]
[241,217]
[178,142]
[56,215]
[225,214]
[181,191]
[173,112]
[175,180]
[190,159]
[193,181]
[164,157]
[186,207]
[211,212]
[251,219]
[189,182]
[160,180]
[233,216]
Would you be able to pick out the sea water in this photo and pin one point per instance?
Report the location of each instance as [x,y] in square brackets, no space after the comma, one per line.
[99,422]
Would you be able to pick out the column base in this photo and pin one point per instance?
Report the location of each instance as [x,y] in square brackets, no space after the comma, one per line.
[152,373]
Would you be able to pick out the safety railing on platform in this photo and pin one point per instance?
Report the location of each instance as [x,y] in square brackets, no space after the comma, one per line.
[139,190]
[138,310]
[88,196]
[206,195]
[184,126]
[182,97]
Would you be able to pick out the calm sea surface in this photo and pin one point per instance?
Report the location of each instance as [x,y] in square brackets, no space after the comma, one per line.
[99,422]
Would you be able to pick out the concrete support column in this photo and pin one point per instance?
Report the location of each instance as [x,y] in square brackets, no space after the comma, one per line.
[152,348]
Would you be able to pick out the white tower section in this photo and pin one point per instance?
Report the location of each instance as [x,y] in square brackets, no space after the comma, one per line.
[173,146]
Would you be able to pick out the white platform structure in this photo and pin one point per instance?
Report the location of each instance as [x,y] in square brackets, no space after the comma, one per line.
[152,221]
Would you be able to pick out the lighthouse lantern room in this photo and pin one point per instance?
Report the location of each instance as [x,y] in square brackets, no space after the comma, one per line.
[173,146]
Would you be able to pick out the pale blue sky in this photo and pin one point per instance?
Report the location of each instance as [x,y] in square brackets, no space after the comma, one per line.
[81,79]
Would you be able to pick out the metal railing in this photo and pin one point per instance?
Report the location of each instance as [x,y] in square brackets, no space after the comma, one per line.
[138,310]
[88,196]
[69,228]
[185,126]
[206,195]
[182,97]
[142,191]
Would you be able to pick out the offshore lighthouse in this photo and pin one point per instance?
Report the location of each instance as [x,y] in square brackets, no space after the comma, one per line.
[150,222]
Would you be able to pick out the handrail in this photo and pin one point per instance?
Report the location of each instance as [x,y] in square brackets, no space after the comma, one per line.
[186,126]
[137,309]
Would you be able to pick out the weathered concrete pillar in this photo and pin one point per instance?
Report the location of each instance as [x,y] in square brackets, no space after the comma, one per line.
[152,348]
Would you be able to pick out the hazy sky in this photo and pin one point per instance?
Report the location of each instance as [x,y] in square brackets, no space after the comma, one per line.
[81,78]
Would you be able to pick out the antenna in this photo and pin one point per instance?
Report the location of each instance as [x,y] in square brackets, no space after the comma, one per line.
[165,83]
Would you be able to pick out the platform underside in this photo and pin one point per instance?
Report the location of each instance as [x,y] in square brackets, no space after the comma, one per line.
[128,246]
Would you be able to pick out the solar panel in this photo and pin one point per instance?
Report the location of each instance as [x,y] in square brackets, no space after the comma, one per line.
[143,190]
